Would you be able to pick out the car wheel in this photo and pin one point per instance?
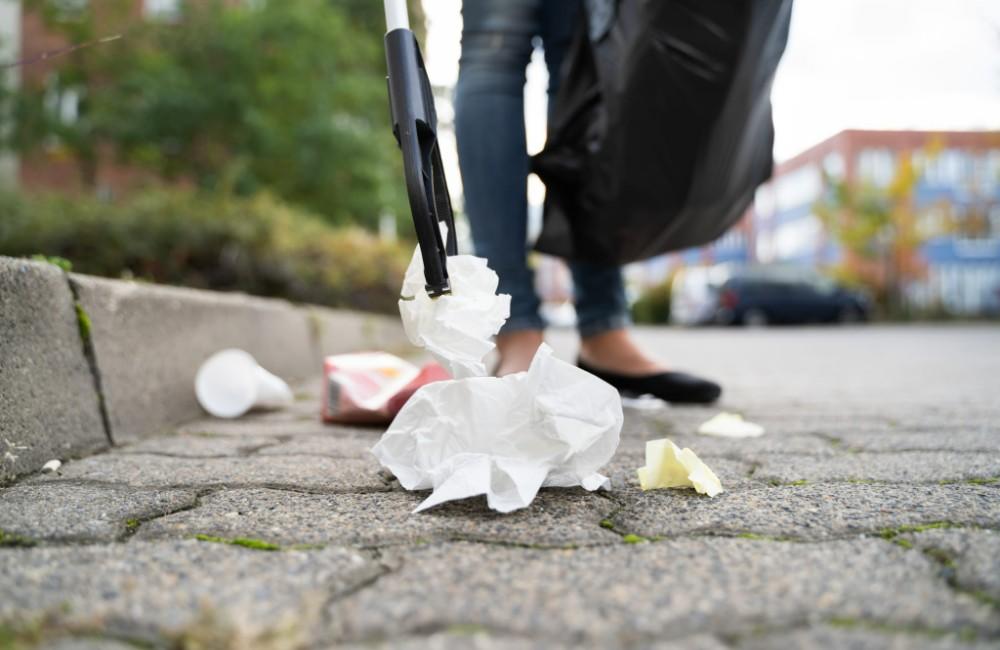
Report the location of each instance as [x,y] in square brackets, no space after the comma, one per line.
[849,314]
[755,318]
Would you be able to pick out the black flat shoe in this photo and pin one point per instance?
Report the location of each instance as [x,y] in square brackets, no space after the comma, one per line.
[674,387]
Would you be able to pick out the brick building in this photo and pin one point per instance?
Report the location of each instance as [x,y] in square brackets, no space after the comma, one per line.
[24,37]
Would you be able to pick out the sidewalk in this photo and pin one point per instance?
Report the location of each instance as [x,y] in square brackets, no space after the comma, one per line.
[866,517]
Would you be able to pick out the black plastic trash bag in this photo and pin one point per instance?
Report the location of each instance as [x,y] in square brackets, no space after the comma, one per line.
[661,129]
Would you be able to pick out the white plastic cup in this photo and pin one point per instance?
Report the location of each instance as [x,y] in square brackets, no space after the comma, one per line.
[231,382]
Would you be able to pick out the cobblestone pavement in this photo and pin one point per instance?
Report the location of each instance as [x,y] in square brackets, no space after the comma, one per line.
[867,517]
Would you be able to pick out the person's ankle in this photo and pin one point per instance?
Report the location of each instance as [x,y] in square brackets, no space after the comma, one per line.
[517,349]
[615,351]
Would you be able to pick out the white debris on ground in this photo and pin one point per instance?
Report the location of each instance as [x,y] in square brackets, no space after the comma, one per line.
[52,466]
[730,425]
[553,426]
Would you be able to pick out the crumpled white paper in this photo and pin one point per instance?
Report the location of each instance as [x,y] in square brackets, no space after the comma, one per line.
[730,425]
[455,328]
[555,426]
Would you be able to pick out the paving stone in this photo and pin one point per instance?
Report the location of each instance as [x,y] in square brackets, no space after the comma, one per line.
[213,595]
[811,511]
[557,517]
[48,401]
[825,637]
[972,555]
[195,446]
[910,467]
[963,441]
[476,639]
[622,470]
[461,639]
[740,449]
[67,512]
[336,444]
[273,425]
[625,593]
[291,472]
[85,643]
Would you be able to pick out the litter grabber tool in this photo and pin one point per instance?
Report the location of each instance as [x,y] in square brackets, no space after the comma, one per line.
[414,123]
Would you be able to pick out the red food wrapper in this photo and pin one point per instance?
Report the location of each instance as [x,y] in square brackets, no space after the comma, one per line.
[371,387]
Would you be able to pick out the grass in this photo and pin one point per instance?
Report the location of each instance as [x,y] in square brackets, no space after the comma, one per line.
[245,542]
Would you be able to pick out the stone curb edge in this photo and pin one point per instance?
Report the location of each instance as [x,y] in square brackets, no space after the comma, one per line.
[89,362]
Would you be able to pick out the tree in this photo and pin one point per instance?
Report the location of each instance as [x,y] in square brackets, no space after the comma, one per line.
[284,96]
[877,229]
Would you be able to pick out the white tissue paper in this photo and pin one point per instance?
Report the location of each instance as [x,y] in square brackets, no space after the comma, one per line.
[456,328]
[554,425]
[730,425]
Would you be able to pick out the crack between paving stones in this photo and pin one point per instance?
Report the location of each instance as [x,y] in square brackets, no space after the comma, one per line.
[217,487]
[326,618]
[131,530]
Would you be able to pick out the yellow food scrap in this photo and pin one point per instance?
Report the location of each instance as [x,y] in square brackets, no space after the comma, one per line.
[669,466]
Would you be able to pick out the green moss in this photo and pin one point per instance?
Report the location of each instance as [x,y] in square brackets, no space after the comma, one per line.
[54,260]
[82,322]
[940,556]
[10,540]
[634,539]
[848,623]
[776,483]
[750,536]
[984,597]
[890,533]
[607,523]
[132,525]
[983,481]
[245,542]
[905,543]
[860,481]
[20,637]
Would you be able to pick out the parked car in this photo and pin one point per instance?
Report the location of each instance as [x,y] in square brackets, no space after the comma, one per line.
[770,295]
[761,295]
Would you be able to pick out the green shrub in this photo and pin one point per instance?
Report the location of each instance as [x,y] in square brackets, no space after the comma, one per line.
[653,306]
[257,245]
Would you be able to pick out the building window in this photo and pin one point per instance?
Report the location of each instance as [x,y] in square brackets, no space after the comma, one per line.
[62,102]
[162,9]
[68,9]
[876,166]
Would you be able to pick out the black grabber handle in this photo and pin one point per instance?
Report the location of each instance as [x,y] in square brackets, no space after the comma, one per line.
[414,123]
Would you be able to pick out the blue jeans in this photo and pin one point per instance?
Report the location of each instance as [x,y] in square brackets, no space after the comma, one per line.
[489,125]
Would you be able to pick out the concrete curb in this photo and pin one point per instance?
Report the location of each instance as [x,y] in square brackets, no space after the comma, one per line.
[145,344]
[49,406]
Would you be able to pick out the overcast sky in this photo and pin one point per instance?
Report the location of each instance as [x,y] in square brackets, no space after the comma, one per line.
[878,64]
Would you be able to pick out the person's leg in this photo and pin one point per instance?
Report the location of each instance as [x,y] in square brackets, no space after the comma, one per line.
[489,126]
[599,290]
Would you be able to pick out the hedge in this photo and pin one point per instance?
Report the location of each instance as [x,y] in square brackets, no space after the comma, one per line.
[257,245]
